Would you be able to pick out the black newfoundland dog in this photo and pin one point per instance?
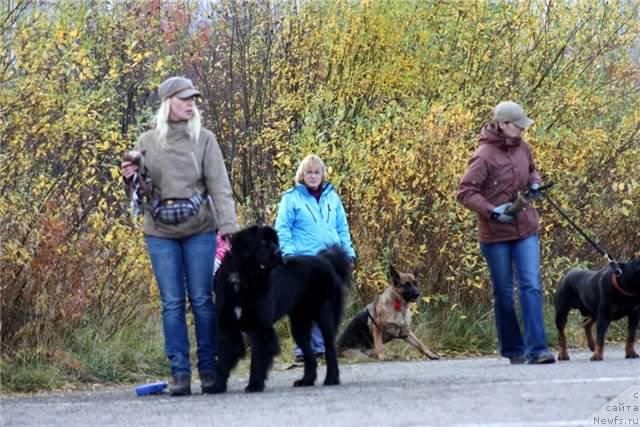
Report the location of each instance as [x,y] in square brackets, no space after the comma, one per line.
[255,286]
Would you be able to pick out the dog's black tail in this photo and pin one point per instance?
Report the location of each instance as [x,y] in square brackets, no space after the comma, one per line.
[342,266]
[341,262]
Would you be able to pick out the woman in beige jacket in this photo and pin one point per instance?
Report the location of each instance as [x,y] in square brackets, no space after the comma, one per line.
[189,198]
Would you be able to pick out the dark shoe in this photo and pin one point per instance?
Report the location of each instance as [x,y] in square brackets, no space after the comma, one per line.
[207,383]
[543,358]
[181,385]
[518,360]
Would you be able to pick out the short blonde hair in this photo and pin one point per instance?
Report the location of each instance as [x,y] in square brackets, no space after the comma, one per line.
[310,160]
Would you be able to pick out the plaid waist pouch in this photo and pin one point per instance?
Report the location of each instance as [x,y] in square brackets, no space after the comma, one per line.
[176,211]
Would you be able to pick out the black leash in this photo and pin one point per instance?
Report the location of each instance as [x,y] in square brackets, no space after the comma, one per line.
[614,264]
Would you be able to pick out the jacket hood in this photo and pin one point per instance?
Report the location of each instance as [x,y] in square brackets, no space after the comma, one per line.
[490,134]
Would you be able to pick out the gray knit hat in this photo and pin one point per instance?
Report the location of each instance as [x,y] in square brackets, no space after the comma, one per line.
[509,111]
[177,86]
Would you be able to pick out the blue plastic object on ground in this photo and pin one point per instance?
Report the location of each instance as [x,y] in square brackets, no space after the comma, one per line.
[153,388]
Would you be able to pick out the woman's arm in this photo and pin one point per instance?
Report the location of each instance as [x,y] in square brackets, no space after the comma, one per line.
[284,226]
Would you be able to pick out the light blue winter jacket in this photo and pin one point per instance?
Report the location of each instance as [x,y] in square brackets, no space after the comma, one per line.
[306,226]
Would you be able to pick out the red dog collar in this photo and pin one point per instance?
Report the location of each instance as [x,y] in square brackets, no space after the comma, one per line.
[614,282]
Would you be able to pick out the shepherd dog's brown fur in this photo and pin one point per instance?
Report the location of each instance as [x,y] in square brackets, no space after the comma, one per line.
[387,318]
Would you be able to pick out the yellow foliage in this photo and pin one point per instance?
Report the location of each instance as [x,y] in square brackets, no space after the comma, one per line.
[390,93]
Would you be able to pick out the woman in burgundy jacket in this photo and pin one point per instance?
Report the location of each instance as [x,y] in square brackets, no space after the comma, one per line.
[502,166]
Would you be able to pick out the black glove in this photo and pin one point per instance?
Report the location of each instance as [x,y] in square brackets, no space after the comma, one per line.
[498,213]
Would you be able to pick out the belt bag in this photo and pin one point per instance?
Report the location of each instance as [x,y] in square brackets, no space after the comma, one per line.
[176,211]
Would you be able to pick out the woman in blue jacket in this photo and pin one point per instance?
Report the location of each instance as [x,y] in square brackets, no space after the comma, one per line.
[310,218]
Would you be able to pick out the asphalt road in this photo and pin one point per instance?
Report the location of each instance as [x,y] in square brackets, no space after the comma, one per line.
[483,391]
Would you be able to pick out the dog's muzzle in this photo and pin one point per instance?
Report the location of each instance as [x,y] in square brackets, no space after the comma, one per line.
[410,295]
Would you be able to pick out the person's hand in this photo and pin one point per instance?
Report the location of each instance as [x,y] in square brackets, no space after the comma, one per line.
[498,213]
[226,238]
[534,191]
[128,169]
[130,164]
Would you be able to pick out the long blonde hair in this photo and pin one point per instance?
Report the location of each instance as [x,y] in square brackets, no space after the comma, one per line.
[162,123]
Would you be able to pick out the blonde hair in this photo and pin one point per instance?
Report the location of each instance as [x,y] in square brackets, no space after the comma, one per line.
[310,160]
[162,123]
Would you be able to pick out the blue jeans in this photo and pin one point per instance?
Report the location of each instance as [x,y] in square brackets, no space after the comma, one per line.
[523,256]
[185,267]
[317,342]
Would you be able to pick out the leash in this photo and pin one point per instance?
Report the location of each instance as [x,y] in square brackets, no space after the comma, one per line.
[601,251]
[617,271]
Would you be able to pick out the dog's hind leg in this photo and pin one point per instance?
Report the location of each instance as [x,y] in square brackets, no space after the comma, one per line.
[562,314]
[563,305]
[629,351]
[264,346]
[301,331]
[327,326]
[232,348]
[587,324]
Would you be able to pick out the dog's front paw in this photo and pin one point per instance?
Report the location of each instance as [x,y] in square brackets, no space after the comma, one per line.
[332,381]
[302,382]
[381,356]
[254,388]
[563,355]
[631,355]
[596,357]
[218,388]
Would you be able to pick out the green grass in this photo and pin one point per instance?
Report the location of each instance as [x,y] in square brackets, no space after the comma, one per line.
[135,354]
[26,377]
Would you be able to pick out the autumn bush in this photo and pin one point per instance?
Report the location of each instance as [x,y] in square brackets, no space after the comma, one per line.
[390,93]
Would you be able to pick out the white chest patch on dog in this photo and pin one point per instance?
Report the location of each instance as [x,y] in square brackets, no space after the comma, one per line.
[234,278]
[238,311]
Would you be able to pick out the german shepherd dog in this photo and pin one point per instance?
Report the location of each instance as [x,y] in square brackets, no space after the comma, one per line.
[387,318]
[601,296]
[255,287]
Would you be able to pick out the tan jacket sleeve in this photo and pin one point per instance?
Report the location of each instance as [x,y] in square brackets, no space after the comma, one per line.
[219,187]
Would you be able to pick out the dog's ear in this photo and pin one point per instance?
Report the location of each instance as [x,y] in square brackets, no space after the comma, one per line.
[241,241]
[271,235]
[395,277]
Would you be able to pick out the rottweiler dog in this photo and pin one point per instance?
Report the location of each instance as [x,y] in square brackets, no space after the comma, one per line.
[601,296]
[387,318]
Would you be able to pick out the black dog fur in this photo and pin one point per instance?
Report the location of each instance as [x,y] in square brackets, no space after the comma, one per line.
[600,301]
[255,286]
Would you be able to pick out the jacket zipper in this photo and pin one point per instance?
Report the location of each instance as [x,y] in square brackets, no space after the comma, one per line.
[311,212]
[328,212]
